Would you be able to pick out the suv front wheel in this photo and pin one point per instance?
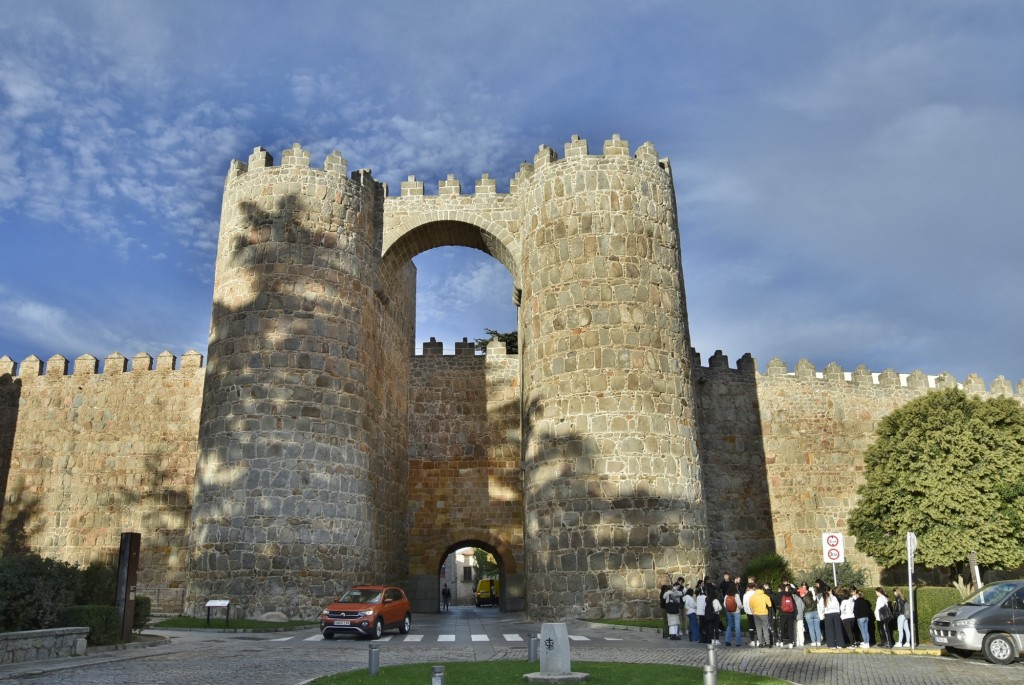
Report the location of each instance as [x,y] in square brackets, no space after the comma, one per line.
[378,629]
[999,649]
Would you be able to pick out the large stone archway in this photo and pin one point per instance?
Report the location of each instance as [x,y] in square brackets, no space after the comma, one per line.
[580,459]
[465,480]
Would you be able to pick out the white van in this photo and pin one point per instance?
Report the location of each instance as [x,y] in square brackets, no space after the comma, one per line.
[990,620]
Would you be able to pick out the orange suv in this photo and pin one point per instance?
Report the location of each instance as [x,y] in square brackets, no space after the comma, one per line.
[367,610]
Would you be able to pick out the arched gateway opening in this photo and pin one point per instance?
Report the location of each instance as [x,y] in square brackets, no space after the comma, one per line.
[465,481]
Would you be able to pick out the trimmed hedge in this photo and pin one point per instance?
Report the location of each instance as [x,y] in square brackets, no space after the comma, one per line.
[929,601]
[103,622]
[143,613]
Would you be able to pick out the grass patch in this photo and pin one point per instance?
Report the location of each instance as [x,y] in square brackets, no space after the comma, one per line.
[217,623]
[498,672]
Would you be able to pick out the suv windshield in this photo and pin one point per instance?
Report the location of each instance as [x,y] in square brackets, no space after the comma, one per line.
[990,595]
[361,597]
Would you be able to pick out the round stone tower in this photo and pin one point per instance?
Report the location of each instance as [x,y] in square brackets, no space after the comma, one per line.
[301,477]
[612,490]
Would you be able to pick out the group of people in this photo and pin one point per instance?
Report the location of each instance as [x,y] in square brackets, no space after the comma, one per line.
[786,616]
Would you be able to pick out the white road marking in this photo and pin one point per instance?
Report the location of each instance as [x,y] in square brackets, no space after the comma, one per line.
[413,638]
[479,638]
[513,637]
[580,638]
[446,638]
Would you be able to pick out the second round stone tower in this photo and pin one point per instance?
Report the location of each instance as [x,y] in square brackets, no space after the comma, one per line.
[612,493]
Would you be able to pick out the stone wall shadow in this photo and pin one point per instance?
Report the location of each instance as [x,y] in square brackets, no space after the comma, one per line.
[15,525]
[734,463]
[10,398]
[597,543]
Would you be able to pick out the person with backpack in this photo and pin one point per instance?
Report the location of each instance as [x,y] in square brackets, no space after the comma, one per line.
[673,598]
[787,615]
[811,616]
[712,621]
[883,614]
[733,633]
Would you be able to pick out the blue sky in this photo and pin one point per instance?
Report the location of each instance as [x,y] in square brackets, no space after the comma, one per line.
[849,175]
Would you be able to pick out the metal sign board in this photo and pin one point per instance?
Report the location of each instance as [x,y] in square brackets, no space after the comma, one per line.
[833,547]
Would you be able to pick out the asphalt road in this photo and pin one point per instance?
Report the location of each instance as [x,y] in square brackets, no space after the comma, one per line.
[472,634]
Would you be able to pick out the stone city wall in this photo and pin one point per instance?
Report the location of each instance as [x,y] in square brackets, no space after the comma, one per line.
[92,454]
[784,451]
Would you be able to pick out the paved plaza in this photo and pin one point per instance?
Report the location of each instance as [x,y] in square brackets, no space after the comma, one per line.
[469,634]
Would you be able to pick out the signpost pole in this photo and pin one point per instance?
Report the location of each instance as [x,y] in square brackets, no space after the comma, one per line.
[834,552]
[911,548]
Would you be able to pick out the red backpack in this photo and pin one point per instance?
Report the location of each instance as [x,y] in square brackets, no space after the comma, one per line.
[730,603]
[786,604]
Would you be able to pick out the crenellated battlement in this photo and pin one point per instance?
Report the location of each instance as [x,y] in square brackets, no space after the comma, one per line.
[889,378]
[88,365]
[463,348]
[576,147]
[295,158]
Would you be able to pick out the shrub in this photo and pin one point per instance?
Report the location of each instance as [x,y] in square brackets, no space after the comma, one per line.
[769,568]
[143,613]
[33,590]
[98,584]
[846,575]
[103,622]
[929,601]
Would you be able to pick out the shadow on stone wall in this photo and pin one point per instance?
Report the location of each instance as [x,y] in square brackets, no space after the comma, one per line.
[21,522]
[10,397]
[599,540]
[734,464]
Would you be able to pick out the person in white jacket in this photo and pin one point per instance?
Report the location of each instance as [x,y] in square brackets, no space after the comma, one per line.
[673,606]
[883,614]
[751,587]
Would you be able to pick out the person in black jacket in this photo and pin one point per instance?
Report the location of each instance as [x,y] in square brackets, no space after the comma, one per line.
[787,614]
[862,612]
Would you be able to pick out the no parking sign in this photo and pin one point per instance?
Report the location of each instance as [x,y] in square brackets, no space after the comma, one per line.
[834,548]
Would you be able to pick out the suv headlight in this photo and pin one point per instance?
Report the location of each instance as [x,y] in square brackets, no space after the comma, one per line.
[367,612]
[962,623]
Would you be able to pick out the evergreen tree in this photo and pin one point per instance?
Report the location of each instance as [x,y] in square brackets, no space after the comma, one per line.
[950,468]
[510,339]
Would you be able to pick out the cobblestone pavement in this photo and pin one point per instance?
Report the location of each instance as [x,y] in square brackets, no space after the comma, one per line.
[293,658]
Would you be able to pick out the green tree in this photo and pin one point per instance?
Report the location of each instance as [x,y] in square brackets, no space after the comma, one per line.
[950,468]
[486,566]
[769,568]
[510,339]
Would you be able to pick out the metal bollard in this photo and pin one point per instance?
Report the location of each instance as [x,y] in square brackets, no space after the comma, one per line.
[534,646]
[374,660]
[437,675]
[711,669]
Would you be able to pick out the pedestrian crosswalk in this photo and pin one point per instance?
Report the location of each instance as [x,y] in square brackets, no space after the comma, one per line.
[450,637]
